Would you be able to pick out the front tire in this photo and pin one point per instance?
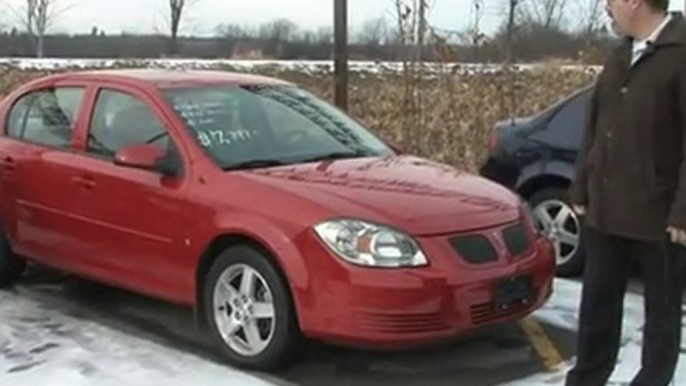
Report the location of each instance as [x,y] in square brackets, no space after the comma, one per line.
[555,217]
[12,267]
[249,310]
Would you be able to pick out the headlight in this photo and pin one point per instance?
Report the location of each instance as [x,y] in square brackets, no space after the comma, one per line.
[367,244]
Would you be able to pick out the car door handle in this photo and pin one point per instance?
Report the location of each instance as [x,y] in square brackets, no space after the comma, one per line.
[85,181]
[8,163]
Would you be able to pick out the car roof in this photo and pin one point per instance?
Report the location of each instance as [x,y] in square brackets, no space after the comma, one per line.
[168,77]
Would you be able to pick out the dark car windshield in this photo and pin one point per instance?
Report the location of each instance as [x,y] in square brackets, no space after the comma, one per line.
[258,126]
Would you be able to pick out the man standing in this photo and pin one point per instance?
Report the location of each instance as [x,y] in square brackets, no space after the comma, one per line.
[630,187]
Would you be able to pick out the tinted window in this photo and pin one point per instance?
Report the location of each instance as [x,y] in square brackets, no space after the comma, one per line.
[566,128]
[120,120]
[243,124]
[46,117]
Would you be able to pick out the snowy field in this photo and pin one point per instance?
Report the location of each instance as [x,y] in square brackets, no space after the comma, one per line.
[40,345]
[309,67]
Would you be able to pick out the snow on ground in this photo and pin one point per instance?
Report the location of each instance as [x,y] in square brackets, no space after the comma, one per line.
[562,311]
[41,346]
[305,66]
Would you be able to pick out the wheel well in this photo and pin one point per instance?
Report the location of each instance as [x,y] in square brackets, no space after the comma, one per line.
[530,187]
[219,244]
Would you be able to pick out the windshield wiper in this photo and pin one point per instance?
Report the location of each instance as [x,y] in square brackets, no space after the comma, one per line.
[253,164]
[337,155]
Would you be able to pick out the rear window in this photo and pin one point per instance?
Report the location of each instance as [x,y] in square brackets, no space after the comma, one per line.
[566,127]
[45,116]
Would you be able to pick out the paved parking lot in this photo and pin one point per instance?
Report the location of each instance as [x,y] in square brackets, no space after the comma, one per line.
[491,356]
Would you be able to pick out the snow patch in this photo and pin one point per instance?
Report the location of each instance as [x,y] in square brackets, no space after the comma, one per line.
[40,346]
[304,66]
[562,311]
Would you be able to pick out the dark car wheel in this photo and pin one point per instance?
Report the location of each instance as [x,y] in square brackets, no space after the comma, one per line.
[249,310]
[12,267]
[555,217]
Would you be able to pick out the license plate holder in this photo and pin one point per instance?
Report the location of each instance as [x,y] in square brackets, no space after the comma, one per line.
[513,292]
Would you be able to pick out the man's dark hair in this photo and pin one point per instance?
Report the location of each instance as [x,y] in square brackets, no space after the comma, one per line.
[658,5]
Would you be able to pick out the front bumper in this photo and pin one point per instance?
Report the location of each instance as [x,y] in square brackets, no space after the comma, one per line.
[404,307]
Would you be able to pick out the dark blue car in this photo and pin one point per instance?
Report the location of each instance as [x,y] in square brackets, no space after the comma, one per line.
[535,157]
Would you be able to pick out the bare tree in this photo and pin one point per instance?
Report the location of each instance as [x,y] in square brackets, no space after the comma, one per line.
[232,31]
[474,36]
[38,16]
[324,35]
[374,32]
[545,13]
[590,16]
[176,12]
[407,27]
[280,30]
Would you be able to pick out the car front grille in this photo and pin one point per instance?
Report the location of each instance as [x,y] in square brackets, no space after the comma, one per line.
[475,249]
[516,240]
[401,323]
[479,249]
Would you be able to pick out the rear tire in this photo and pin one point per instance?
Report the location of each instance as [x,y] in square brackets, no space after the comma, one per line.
[238,317]
[12,267]
[562,225]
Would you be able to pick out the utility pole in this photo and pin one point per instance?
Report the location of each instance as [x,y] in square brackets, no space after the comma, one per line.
[510,31]
[421,33]
[341,53]
[509,53]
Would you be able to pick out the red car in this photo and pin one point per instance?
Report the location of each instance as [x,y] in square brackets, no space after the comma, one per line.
[270,212]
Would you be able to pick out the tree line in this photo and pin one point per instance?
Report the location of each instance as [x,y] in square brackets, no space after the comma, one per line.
[530,30]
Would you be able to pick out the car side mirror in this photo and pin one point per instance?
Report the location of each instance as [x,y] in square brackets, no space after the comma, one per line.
[146,157]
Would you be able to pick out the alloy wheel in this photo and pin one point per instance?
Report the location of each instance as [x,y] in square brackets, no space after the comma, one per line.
[558,221]
[244,310]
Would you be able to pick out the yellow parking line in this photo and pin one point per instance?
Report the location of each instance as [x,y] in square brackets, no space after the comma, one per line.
[542,344]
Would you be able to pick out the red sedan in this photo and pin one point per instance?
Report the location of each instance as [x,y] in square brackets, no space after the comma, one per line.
[273,214]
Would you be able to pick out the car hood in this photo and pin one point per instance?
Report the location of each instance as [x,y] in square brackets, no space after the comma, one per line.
[414,194]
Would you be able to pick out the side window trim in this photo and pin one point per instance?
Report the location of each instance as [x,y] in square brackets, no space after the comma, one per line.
[22,127]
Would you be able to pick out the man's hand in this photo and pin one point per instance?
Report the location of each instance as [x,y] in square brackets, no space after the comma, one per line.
[579,209]
[677,236]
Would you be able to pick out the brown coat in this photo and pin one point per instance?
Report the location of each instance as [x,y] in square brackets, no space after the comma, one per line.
[631,174]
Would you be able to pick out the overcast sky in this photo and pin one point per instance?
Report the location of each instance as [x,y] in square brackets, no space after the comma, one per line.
[134,16]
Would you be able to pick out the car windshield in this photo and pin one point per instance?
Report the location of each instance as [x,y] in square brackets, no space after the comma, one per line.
[258,126]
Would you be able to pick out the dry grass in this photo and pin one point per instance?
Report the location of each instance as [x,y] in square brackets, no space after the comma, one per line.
[457,113]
